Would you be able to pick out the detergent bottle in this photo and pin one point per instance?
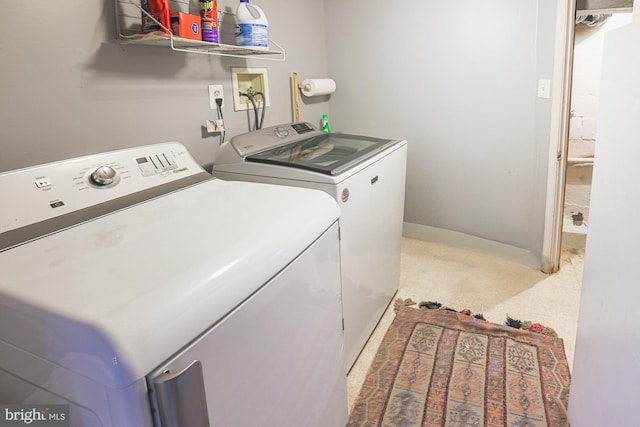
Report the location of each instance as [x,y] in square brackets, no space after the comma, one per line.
[252,29]
[160,10]
[325,124]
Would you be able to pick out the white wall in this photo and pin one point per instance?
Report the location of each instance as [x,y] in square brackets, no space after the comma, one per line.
[585,89]
[585,96]
[606,372]
[458,80]
[68,89]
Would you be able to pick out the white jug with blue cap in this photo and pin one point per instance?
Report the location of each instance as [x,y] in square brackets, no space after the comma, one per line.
[252,27]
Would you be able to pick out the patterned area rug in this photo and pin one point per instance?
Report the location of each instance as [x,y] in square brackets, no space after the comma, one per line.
[442,368]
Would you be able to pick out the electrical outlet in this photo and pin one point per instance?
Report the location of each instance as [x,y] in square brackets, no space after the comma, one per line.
[215,91]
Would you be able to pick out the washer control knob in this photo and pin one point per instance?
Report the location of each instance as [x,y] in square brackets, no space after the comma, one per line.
[282,132]
[104,175]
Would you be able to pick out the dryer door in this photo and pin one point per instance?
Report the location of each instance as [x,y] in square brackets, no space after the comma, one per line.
[275,360]
[181,397]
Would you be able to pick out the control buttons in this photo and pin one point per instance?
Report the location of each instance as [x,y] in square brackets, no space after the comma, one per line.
[282,132]
[302,127]
[156,164]
[103,176]
[43,182]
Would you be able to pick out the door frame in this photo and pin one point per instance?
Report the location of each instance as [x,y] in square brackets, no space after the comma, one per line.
[559,140]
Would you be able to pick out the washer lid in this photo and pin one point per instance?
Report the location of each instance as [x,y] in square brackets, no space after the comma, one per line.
[330,154]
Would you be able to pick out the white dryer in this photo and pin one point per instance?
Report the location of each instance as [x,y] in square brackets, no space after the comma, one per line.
[367,178]
[138,291]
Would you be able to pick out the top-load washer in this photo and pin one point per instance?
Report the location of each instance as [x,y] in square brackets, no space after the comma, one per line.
[367,178]
[137,291]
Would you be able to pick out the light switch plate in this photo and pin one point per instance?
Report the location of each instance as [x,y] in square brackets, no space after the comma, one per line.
[544,88]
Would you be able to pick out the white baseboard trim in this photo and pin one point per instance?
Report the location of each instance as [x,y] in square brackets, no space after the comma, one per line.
[455,238]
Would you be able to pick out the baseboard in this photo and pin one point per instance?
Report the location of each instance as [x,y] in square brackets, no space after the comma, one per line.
[454,238]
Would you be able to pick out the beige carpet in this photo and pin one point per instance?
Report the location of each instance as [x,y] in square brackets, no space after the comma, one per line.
[496,287]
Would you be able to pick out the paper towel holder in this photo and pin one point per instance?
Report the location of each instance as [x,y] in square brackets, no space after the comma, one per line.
[317,87]
[304,87]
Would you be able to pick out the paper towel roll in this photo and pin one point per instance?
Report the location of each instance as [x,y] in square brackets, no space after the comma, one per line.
[315,87]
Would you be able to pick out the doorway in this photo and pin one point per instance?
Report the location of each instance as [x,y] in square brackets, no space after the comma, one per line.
[588,47]
[567,218]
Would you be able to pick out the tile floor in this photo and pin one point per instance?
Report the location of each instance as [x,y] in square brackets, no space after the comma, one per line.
[496,287]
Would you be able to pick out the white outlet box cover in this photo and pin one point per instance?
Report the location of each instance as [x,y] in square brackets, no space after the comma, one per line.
[239,79]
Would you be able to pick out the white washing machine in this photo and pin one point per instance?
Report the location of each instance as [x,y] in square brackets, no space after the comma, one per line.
[367,178]
[137,291]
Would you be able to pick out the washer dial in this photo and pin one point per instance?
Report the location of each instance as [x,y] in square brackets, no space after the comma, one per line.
[282,132]
[103,176]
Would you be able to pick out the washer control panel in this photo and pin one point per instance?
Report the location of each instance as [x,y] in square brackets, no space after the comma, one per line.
[275,136]
[43,192]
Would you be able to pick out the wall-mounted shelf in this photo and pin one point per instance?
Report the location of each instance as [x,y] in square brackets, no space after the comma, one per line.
[194,46]
[128,27]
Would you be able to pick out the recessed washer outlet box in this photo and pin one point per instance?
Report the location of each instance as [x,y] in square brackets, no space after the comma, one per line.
[252,81]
